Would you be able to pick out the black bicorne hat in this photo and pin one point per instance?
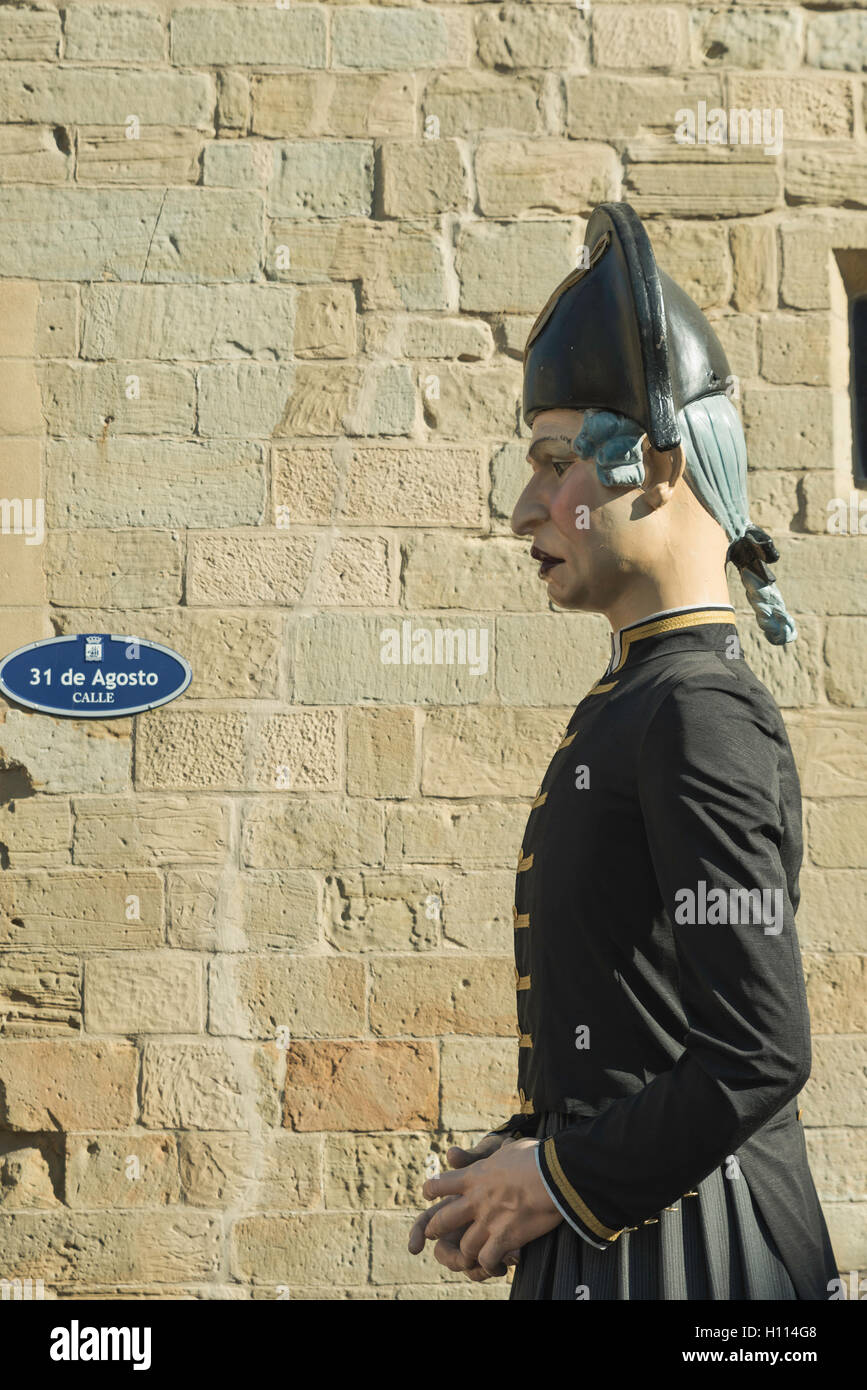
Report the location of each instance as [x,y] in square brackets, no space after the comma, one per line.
[619,334]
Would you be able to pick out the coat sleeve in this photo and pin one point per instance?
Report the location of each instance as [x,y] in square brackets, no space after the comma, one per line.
[709,788]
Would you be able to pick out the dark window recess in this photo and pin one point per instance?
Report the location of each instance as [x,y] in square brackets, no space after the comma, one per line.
[858,384]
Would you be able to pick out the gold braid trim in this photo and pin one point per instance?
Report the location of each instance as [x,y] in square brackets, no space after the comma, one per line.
[567,1190]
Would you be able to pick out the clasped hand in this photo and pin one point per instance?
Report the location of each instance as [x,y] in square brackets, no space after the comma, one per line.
[493,1204]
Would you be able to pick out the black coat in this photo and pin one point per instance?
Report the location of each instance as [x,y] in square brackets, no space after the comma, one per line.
[667,1016]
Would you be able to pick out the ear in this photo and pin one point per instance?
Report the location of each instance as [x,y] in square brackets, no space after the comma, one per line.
[662,472]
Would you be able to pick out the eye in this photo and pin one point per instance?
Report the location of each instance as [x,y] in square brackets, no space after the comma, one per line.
[560,466]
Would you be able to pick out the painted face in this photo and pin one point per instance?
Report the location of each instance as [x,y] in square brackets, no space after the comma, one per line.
[578,525]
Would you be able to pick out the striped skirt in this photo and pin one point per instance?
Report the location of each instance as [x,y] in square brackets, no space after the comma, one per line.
[712,1244]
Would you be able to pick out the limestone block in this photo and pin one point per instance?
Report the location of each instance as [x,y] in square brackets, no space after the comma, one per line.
[400,265]
[427,995]
[485,835]
[64,94]
[127,481]
[235,1170]
[846,673]
[29,33]
[326,322]
[74,909]
[361,1086]
[423,178]
[243,400]
[368,37]
[814,108]
[466,100]
[40,993]
[442,571]
[162,1246]
[512,267]
[319,1247]
[479,1081]
[838,41]
[129,398]
[342,658]
[113,569]
[383,912]
[52,1084]
[836,991]
[834,1094]
[493,751]
[461,400]
[67,755]
[159,992]
[107,1171]
[114,34]
[380,756]
[730,39]
[329,834]
[160,154]
[244,34]
[35,154]
[639,36]
[550,658]
[223,1085]
[269,909]
[35,832]
[510,36]
[321,178]
[203,322]
[835,833]
[344,104]
[420,484]
[255,996]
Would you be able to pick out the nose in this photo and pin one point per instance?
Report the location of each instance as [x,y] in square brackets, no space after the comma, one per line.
[530,509]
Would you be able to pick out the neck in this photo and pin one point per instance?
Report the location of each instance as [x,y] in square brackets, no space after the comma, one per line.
[655,596]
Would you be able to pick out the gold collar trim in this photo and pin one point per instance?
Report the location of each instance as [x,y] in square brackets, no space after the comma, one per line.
[675,623]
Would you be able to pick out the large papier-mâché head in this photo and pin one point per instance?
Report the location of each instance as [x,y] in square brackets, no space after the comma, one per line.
[619,336]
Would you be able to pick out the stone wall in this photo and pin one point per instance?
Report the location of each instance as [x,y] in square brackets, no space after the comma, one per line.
[266,274]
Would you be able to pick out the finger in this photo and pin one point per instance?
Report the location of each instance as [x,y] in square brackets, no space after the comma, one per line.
[417,1235]
[445,1184]
[473,1243]
[473,1240]
[491,1255]
[478,1273]
[448,1253]
[449,1219]
[459,1158]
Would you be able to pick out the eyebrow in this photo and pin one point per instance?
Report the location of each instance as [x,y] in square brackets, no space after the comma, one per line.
[536,449]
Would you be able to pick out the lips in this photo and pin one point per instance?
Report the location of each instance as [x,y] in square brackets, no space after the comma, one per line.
[548,561]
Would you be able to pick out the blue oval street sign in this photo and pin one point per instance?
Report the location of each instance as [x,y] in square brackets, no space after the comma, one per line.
[94,676]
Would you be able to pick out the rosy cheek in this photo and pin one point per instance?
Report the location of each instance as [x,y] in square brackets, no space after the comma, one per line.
[573,496]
